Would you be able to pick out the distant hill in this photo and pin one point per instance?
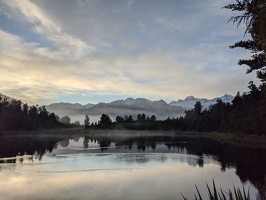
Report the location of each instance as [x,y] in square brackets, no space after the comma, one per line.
[136,106]
[67,108]
[131,106]
[189,102]
[128,107]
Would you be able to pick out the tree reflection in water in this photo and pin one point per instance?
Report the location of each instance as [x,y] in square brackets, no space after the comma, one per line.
[250,164]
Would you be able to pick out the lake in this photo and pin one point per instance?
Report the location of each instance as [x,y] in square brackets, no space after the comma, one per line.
[123,166]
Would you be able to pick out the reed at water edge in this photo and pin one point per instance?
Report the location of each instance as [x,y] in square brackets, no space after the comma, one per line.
[236,194]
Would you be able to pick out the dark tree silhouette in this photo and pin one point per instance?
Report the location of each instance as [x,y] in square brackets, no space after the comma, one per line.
[198,108]
[153,118]
[143,117]
[105,121]
[248,111]
[130,118]
[14,115]
[119,119]
[65,120]
[87,121]
[77,123]
[254,16]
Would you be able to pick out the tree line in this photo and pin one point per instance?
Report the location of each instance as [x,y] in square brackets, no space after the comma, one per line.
[246,114]
[15,115]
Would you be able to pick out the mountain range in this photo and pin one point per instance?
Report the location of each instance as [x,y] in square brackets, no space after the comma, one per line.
[189,102]
[133,107]
[130,106]
[127,107]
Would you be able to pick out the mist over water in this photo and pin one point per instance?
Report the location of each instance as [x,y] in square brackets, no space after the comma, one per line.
[122,166]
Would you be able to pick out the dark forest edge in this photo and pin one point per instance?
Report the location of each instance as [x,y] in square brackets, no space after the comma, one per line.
[17,116]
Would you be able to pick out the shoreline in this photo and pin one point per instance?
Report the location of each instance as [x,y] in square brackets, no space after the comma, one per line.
[239,140]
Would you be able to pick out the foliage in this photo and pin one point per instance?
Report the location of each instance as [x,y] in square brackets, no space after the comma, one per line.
[65,120]
[87,121]
[254,16]
[77,123]
[214,194]
[262,189]
[119,119]
[15,115]
[105,121]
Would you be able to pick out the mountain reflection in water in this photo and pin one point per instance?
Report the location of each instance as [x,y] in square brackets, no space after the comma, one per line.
[92,152]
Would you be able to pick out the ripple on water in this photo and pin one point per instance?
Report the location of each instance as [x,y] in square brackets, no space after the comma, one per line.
[11,169]
[83,185]
[94,176]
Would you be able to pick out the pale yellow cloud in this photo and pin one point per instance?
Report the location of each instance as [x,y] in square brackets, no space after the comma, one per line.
[33,72]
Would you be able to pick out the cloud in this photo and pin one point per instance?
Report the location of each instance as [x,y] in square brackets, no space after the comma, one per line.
[158,74]
[137,50]
[182,25]
[46,26]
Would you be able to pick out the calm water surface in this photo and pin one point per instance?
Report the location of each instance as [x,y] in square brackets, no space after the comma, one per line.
[122,167]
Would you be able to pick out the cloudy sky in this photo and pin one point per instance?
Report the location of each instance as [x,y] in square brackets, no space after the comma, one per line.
[103,50]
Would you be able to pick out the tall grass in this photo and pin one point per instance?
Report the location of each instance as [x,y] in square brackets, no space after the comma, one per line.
[262,190]
[215,194]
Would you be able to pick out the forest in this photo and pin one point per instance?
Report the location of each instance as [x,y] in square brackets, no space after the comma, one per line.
[15,115]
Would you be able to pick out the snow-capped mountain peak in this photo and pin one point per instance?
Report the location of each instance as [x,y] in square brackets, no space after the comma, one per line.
[189,102]
[190,98]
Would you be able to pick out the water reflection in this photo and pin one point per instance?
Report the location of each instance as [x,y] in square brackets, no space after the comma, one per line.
[18,149]
[190,160]
[250,164]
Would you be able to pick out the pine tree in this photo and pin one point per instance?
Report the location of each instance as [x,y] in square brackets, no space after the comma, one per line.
[254,16]
[87,121]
